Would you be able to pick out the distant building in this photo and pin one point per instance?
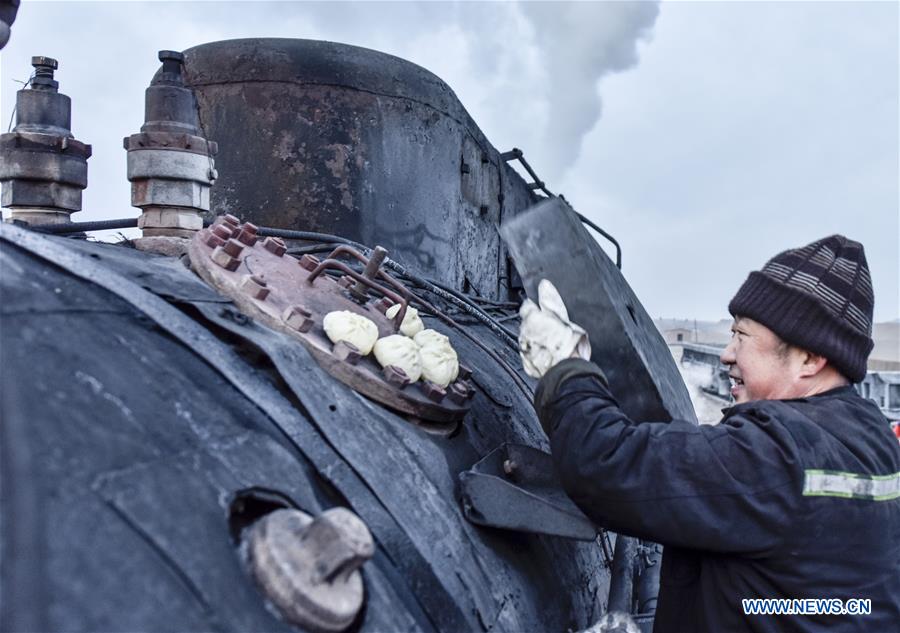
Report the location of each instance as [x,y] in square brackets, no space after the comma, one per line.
[679,335]
[718,384]
[884,388]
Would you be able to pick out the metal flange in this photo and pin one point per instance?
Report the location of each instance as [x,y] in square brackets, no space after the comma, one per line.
[294,296]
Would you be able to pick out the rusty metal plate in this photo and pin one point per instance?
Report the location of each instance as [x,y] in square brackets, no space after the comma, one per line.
[293,296]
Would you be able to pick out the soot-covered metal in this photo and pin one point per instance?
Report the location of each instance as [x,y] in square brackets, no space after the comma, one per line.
[149,425]
[139,412]
[328,137]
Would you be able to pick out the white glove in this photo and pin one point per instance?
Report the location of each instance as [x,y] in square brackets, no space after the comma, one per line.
[546,335]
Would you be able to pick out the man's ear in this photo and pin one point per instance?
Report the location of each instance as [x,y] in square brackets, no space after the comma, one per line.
[812,364]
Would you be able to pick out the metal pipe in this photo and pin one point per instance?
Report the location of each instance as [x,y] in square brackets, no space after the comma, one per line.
[621,581]
[648,583]
[81,227]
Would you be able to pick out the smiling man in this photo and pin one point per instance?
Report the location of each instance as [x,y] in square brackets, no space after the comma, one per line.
[794,497]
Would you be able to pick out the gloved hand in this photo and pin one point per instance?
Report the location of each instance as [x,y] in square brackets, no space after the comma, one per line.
[546,335]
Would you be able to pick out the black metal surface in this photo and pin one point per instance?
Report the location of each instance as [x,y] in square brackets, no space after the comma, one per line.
[339,139]
[514,487]
[134,446]
[549,242]
[650,564]
[621,582]
[141,411]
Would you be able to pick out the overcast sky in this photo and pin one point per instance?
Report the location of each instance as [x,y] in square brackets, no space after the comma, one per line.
[704,136]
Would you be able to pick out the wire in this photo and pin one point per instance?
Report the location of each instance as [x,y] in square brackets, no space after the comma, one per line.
[454,297]
[81,227]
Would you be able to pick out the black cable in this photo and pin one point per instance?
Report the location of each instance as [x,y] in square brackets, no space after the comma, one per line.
[81,227]
[511,338]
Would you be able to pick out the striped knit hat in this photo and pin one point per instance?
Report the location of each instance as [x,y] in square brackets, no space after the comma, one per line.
[819,298]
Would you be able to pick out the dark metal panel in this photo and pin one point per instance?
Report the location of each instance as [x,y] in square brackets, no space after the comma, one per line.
[165,277]
[140,403]
[549,242]
[339,139]
[387,469]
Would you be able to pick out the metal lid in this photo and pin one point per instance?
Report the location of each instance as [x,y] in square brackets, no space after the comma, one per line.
[309,568]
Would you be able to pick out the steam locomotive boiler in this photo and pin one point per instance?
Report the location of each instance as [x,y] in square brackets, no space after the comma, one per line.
[185,448]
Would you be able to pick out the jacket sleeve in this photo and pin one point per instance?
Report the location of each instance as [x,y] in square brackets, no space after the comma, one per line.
[733,487]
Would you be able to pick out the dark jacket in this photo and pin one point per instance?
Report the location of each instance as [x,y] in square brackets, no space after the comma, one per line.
[742,508]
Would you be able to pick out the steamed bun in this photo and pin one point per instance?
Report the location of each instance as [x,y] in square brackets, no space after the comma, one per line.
[440,364]
[343,325]
[400,351]
[412,322]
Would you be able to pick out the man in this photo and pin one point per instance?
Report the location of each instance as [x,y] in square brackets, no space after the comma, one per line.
[795,494]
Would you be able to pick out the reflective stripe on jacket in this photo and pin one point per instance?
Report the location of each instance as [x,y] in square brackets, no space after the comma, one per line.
[782,499]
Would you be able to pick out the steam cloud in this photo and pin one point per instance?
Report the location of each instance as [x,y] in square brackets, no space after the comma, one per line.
[581,42]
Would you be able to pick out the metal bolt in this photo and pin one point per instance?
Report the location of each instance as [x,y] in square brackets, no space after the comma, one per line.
[170,56]
[274,246]
[255,286]
[346,281]
[459,392]
[44,66]
[246,237]
[395,376]
[360,290]
[230,219]
[509,466]
[433,391]
[222,231]
[298,318]
[383,304]
[233,247]
[464,373]
[309,262]
[345,351]
[212,240]
[250,228]
[224,260]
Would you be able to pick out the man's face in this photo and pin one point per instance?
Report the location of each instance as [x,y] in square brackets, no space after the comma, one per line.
[762,367]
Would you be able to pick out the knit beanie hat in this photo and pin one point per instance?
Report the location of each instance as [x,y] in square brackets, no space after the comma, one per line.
[819,298]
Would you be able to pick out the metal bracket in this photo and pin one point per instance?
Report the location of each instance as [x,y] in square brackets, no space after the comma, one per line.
[515,488]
